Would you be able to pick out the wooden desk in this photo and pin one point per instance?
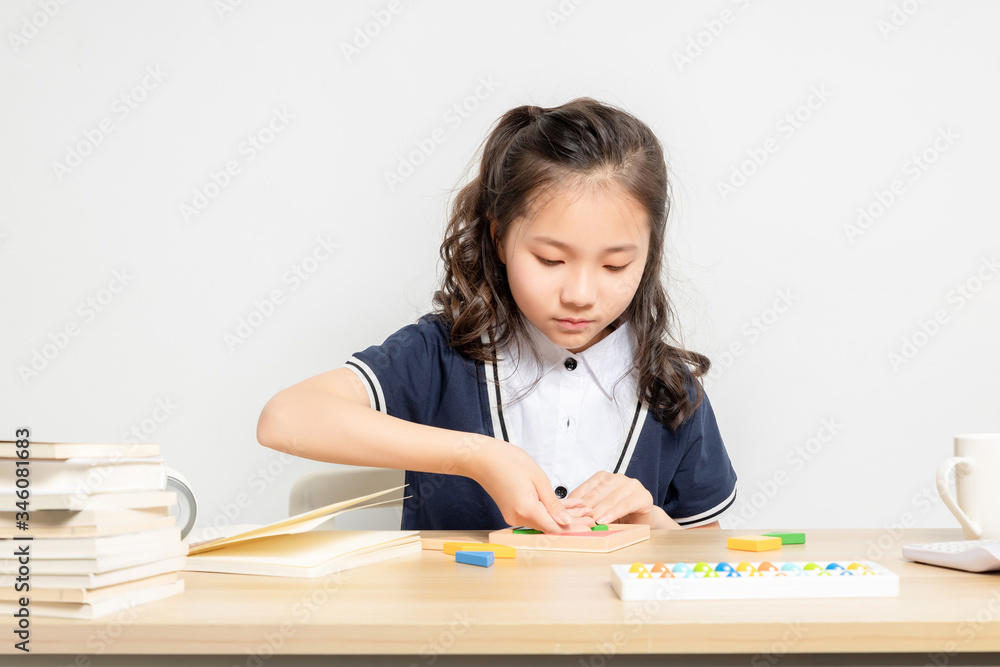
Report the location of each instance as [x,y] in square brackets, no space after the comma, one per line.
[547,603]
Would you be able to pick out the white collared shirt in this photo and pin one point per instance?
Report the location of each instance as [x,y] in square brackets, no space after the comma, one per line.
[570,422]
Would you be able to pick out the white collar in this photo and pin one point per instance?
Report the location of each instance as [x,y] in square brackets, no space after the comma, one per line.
[608,360]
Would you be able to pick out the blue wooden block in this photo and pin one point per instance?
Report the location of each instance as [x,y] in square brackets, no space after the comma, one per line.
[481,558]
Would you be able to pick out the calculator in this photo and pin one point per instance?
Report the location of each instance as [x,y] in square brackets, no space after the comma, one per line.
[968,555]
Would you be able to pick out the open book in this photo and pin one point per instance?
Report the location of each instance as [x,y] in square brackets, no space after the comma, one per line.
[290,548]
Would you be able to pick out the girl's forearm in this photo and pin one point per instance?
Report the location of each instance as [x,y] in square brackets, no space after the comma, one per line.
[656,519]
[326,427]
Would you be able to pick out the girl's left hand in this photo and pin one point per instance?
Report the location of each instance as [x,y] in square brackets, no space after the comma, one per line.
[617,498]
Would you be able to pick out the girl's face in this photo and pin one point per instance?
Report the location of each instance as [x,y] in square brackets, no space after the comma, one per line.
[574,267]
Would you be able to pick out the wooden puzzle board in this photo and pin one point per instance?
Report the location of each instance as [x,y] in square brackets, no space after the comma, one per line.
[617,536]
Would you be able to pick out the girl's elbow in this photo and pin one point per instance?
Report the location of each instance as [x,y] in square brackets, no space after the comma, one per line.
[711,526]
[269,431]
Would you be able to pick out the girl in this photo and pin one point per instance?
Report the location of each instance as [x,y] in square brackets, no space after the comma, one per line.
[541,390]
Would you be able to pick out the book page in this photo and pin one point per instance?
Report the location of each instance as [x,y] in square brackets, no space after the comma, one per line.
[307,549]
[296,524]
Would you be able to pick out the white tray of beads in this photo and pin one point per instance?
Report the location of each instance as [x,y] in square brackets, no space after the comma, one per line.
[753,580]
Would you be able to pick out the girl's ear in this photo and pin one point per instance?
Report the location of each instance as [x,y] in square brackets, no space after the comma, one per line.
[496,242]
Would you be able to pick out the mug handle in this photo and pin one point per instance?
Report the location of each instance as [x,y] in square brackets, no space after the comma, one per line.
[186,502]
[963,464]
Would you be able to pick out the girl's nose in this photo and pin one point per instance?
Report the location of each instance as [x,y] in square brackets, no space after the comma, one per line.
[580,288]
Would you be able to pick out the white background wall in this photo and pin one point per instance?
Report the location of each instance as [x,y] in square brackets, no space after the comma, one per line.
[161,95]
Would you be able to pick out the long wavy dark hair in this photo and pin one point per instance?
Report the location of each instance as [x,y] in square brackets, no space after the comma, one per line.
[532,151]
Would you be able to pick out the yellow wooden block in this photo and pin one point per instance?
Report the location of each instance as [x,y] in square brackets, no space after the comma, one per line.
[433,540]
[499,550]
[754,543]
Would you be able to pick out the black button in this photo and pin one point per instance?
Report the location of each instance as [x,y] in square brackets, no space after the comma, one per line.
[570,364]
[560,491]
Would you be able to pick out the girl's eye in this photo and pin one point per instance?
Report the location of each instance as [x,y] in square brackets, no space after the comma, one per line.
[551,262]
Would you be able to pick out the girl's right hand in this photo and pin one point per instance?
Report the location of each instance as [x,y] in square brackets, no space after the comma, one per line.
[520,488]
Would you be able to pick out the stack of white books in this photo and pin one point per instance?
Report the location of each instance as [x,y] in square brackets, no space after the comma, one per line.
[102,534]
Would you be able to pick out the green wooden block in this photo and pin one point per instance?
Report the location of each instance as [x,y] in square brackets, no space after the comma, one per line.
[526,531]
[599,527]
[788,538]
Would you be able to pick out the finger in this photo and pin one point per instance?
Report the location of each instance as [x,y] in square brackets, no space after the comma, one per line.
[569,502]
[616,504]
[582,524]
[593,498]
[539,519]
[576,505]
[598,487]
[553,505]
[586,487]
[579,525]
[624,505]
[579,512]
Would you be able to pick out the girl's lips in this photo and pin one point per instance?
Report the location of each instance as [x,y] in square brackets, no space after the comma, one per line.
[574,324]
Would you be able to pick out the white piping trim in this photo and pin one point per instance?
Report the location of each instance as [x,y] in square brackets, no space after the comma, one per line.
[376,399]
[640,423]
[491,390]
[708,516]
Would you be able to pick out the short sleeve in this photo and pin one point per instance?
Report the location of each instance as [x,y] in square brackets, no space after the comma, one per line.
[405,374]
[703,487]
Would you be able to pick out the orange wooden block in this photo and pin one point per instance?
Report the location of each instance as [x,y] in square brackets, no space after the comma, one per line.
[754,543]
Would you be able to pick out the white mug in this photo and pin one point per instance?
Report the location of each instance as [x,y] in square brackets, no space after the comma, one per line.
[186,509]
[977,482]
